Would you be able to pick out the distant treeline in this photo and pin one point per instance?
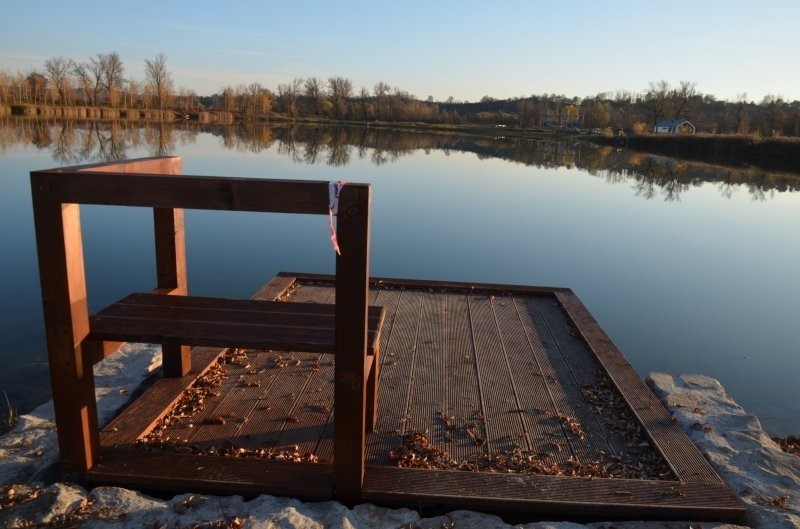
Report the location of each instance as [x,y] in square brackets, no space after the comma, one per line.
[73,142]
[100,82]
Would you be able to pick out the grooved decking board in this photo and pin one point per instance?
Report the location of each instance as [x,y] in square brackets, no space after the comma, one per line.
[463,392]
[501,422]
[395,379]
[378,440]
[534,399]
[507,361]
[575,368]
[544,495]
[426,392]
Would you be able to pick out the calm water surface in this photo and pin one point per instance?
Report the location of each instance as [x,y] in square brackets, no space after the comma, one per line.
[689,268]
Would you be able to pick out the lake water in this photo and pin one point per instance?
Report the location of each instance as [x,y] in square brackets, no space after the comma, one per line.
[689,268]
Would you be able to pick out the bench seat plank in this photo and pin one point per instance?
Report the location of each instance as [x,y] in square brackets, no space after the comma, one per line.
[220,322]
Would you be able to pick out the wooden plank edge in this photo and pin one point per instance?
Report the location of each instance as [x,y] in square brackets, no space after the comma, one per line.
[455,286]
[116,433]
[638,396]
[165,471]
[632,499]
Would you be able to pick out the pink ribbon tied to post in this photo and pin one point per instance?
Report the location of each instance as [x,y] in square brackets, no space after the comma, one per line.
[333,209]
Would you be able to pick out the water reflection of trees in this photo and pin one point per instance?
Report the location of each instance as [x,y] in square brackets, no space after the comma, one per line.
[650,176]
[72,142]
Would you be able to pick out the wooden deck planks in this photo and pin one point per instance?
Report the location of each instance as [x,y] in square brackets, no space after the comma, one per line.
[505,365]
[463,391]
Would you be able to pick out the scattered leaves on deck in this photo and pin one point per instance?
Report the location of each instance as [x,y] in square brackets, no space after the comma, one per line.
[416,451]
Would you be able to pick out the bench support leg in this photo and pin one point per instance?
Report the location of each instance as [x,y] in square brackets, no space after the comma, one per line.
[171,275]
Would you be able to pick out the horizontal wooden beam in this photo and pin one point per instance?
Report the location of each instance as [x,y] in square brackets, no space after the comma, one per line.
[184,191]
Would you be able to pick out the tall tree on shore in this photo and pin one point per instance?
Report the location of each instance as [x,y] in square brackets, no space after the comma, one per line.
[654,100]
[287,95]
[314,89]
[341,89]
[84,77]
[381,91]
[37,84]
[682,98]
[159,78]
[111,72]
[95,68]
[58,70]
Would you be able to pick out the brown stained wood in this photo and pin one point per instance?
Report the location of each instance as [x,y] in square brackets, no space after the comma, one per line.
[574,366]
[213,474]
[426,398]
[395,376]
[275,288]
[411,319]
[497,417]
[140,416]
[152,318]
[533,397]
[187,192]
[352,287]
[63,285]
[681,454]
[160,165]
[552,495]
[321,391]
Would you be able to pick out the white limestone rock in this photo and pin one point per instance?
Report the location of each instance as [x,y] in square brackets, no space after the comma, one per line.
[733,441]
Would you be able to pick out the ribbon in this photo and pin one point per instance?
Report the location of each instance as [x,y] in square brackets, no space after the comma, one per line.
[333,209]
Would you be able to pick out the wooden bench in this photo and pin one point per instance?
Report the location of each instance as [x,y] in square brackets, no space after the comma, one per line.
[348,329]
[220,322]
[245,323]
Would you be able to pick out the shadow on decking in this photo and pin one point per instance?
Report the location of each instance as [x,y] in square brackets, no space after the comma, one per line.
[497,398]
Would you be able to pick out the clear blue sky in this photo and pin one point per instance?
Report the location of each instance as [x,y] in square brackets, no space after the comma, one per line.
[465,49]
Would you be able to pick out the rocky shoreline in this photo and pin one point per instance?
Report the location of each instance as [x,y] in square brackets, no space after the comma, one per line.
[754,466]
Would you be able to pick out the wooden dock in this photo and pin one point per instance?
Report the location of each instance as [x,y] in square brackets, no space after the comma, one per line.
[490,379]
[425,394]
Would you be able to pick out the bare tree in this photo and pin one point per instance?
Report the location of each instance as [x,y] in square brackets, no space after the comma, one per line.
[682,98]
[58,70]
[340,91]
[363,97]
[159,78]
[314,90]
[287,95]
[111,71]
[654,100]
[94,69]
[740,113]
[38,87]
[381,91]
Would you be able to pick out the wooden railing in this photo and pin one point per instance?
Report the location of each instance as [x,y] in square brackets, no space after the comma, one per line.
[156,183]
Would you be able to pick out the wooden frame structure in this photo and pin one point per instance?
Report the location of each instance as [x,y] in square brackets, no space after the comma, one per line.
[72,349]
[76,340]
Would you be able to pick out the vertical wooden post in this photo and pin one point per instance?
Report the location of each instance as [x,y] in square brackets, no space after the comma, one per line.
[171,274]
[61,272]
[352,286]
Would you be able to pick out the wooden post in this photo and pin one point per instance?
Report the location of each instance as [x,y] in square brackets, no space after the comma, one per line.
[61,272]
[171,275]
[352,286]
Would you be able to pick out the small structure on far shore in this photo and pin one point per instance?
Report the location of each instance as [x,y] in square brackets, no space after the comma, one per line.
[674,126]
